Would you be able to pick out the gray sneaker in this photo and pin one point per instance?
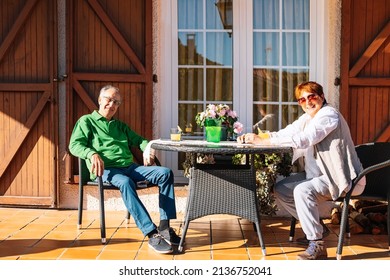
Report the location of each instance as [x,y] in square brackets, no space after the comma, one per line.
[170,236]
[158,244]
[305,241]
[315,251]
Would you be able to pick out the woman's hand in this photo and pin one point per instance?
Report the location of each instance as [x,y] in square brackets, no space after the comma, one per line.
[97,166]
[252,138]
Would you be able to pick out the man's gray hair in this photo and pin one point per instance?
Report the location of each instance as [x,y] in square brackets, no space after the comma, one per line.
[107,87]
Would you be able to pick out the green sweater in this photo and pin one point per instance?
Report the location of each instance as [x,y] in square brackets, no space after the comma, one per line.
[112,140]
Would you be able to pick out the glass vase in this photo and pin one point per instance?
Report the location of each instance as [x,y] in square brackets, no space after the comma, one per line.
[213,134]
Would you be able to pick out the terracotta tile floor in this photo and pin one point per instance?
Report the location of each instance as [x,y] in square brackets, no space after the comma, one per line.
[41,234]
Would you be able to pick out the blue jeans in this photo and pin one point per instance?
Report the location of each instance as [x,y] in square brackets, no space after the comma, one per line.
[126,179]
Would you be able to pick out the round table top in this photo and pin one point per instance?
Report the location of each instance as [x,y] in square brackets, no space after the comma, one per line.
[223,147]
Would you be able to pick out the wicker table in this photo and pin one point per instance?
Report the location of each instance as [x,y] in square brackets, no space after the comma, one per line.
[221,188]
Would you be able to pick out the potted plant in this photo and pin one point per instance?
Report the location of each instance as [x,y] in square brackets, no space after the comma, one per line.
[220,115]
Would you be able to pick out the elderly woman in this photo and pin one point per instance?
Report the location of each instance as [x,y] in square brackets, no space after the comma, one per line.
[322,137]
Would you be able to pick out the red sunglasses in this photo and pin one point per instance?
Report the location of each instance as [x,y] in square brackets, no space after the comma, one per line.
[310,97]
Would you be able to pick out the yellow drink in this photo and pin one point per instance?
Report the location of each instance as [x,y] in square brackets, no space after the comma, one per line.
[263,134]
[175,136]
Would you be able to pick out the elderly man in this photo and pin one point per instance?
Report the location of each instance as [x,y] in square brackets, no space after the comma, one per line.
[105,144]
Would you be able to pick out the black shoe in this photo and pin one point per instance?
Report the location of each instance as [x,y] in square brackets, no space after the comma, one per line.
[158,244]
[170,236]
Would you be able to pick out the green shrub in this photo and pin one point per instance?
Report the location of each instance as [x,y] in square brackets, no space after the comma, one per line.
[268,167]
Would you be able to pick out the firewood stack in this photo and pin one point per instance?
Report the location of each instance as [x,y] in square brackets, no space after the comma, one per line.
[369,217]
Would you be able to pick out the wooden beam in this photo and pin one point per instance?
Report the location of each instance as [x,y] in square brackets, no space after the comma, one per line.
[25,87]
[23,132]
[106,20]
[379,40]
[384,136]
[27,200]
[91,105]
[14,31]
[370,82]
[107,77]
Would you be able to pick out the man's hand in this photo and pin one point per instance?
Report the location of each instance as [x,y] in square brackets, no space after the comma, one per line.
[148,160]
[97,165]
[149,157]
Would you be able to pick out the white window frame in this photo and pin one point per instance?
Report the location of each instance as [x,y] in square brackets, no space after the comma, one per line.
[167,65]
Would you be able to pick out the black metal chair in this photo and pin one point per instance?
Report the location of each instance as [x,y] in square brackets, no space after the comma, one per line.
[84,179]
[375,158]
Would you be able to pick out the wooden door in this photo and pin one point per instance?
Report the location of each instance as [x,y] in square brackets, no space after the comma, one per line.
[365,69]
[28,109]
[110,42]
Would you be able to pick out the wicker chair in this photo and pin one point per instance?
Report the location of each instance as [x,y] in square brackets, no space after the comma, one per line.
[375,158]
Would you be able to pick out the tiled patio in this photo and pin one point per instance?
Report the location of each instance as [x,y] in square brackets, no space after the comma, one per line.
[42,234]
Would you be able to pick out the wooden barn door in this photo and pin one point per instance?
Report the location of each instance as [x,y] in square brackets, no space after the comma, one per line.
[28,110]
[365,69]
[110,42]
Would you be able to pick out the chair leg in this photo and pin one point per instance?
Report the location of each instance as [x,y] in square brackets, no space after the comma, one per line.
[343,225]
[347,230]
[127,217]
[388,219]
[102,216]
[292,229]
[183,236]
[80,210]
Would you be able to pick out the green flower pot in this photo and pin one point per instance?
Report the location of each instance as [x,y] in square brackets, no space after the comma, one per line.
[213,134]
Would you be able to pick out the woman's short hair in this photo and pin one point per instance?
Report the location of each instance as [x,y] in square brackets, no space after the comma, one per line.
[310,86]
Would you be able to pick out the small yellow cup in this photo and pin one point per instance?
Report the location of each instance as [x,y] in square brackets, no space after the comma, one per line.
[175,134]
[263,134]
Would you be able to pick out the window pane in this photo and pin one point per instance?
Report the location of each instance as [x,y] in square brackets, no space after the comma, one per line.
[281,41]
[291,78]
[190,48]
[219,48]
[290,113]
[265,117]
[295,49]
[190,84]
[265,14]
[265,85]
[219,14]
[190,14]
[205,57]
[296,14]
[219,83]
[266,48]
[187,113]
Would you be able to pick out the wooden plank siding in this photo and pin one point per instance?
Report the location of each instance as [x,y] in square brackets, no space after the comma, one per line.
[109,42]
[365,69]
[28,113]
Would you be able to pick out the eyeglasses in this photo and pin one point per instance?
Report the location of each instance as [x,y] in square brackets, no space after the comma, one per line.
[109,100]
[310,97]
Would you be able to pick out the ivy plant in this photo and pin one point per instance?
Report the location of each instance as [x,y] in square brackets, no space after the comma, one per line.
[268,167]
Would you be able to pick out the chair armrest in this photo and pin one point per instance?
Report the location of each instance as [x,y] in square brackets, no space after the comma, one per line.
[368,170]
